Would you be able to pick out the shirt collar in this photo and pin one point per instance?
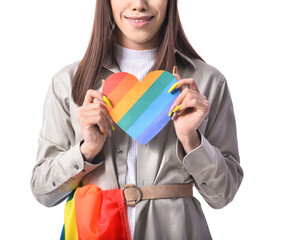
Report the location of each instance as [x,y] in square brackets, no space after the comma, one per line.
[111,66]
[186,58]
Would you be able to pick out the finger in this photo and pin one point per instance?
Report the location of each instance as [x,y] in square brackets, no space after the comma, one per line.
[190,82]
[178,101]
[189,103]
[177,76]
[194,101]
[106,100]
[108,118]
[95,105]
[102,84]
[91,95]
[103,125]
[175,85]
[97,120]
[90,104]
[112,124]
[94,108]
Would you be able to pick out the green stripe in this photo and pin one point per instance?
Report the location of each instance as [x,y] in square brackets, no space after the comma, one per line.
[71,196]
[63,233]
[145,100]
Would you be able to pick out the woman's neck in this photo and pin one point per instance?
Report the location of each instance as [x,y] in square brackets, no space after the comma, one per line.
[126,43]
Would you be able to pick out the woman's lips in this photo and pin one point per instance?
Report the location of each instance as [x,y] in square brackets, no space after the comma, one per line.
[139,21]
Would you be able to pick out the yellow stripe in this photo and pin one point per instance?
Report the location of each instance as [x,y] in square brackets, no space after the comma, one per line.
[133,95]
[71,231]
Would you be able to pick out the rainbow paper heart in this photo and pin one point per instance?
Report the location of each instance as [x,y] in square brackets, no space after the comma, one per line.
[140,109]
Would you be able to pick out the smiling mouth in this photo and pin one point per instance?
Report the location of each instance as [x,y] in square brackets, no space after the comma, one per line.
[139,19]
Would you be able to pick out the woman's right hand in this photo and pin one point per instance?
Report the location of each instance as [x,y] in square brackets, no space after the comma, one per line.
[94,121]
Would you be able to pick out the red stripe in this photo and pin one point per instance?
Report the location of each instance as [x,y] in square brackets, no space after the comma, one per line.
[113,216]
[115,80]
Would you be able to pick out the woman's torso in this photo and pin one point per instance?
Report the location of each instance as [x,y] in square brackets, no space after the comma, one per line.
[157,164]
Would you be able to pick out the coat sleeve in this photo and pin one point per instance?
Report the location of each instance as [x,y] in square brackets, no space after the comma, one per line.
[60,166]
[215,164]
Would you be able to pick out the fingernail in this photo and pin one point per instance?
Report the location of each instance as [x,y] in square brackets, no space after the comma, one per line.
[177,108]
[113,128]
[107,101]
[170,114]
[173,87]
[104,132]
[174,70]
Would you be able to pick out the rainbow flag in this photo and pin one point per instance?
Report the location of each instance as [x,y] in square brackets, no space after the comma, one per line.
[140,109]
[93,214]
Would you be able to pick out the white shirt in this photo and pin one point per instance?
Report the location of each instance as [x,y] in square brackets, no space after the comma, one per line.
[138,63]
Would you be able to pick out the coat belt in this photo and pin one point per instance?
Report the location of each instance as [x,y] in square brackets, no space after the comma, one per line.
[134,194]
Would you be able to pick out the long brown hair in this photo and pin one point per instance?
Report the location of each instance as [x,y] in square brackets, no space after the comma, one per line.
[101,46]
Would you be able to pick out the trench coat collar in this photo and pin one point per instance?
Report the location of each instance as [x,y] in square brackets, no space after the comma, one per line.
[111,66]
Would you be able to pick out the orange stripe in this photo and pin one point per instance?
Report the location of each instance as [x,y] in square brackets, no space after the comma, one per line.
[133,95]
[122,88]
[88,206]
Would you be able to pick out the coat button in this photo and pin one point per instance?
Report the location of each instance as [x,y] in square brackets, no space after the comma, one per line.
[204,184]
[76,166]
[120,151]
[54,184]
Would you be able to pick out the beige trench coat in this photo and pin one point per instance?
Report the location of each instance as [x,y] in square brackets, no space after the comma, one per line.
[213,167]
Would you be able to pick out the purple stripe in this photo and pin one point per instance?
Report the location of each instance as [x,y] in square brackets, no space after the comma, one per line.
[158,123]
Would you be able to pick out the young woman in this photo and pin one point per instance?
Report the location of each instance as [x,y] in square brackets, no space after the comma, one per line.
[198,146]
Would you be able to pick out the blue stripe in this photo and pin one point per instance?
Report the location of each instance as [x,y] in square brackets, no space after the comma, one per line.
[153,111]
[63,233]
[156,126]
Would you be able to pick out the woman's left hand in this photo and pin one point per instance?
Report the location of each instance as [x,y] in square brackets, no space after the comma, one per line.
[193,107]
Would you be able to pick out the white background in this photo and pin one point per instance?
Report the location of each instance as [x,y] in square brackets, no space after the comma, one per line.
[243,39]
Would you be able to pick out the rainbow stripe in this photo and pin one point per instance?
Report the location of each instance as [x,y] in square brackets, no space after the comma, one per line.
[141,109]
[71,231]
[91,213]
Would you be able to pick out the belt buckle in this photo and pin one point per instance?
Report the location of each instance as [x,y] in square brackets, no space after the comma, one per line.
[132,186]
